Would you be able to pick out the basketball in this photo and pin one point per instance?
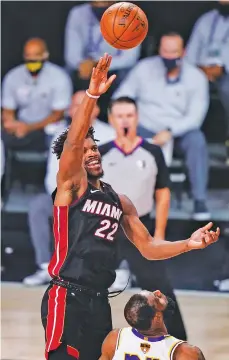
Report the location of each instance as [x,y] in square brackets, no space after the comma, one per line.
[124,25]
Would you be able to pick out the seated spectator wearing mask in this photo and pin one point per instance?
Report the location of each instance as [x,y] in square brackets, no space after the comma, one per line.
[143,176]
[84,44]
[172,97]
[41,207]
[35,96]
[208,48]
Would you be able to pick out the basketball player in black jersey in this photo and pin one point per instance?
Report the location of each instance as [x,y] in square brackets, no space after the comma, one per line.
[75,310]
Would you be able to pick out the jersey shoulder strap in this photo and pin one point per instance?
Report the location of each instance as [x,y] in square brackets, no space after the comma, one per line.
[172,343]
[118,339]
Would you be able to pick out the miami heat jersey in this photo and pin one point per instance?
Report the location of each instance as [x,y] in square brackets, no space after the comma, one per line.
[131,345]
[85,238]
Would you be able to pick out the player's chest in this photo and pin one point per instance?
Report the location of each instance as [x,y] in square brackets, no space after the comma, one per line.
[101,206]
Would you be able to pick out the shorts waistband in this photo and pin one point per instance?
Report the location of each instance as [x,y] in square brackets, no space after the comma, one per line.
[79,288]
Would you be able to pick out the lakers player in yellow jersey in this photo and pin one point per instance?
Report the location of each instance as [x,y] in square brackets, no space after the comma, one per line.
[147,337]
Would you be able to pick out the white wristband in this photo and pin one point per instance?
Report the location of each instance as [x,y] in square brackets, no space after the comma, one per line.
[92,96]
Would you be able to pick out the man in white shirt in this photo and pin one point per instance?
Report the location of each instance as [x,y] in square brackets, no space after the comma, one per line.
[208,48]
[172,97]
[35,96]
[84,42]
[41,207]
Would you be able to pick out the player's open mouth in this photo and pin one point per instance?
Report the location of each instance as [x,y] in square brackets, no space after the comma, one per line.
[93,164]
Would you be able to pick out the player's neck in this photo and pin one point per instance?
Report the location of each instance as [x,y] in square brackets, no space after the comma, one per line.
[95,182]
[155,331]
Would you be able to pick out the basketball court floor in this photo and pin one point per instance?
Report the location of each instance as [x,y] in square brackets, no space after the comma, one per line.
[206,316]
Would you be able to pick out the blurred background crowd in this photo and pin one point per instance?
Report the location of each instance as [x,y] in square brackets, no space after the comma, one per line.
[173,91]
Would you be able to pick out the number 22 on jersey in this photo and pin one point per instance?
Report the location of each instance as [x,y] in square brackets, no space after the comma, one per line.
[107,230]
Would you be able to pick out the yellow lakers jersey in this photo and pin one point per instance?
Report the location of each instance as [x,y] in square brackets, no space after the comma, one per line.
[131,345]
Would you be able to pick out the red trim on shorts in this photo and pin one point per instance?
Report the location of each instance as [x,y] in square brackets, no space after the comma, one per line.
[60,231]
[73,352]
[55,317]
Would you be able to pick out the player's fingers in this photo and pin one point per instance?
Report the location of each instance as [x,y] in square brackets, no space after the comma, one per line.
[208,239]
[109,59]
[215,234]
[110,81]
[93,72]
[207,227]
[99,65]
[218,231]
[104,61]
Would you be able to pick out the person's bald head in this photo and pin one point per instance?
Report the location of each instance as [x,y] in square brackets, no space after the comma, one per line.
[77,99]
[35,49]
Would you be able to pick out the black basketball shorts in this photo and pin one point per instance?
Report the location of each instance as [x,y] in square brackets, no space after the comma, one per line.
[75,323]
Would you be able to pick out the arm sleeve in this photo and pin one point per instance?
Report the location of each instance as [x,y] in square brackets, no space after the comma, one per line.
[62,93]
[74,45]
[195,42]
[8,93]
[197,107]
[126,59]
[130,85]
[163,180]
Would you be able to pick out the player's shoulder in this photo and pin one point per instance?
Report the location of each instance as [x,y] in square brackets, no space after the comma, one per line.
[111,339]
[187,351]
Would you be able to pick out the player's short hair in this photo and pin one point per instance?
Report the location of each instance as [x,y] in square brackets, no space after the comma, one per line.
[138,313]
[121,100]
[58,144]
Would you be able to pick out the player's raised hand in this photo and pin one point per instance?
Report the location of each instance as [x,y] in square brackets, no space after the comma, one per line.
[99,82]
[202,237]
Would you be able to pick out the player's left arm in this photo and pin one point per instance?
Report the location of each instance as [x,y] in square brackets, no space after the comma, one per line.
[109,345]
[186,351]
[157,249]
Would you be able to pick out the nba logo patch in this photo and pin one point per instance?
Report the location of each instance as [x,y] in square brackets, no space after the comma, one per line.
[141,164]
[145,347]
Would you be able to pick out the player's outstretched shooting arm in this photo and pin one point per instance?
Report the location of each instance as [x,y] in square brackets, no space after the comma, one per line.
[153,249]
[71,174]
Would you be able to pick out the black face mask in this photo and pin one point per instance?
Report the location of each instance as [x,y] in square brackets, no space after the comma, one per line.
[98,11]
[34,66]
[171,64]
[223,9]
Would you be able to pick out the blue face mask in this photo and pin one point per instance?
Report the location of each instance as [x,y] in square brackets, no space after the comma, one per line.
[171,64]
